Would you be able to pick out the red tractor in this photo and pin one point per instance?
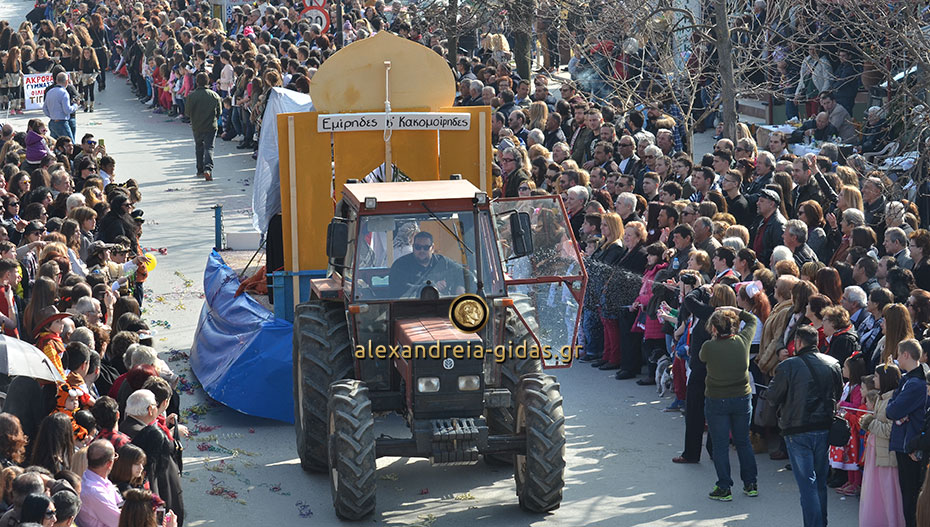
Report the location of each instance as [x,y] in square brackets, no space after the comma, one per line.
[423,276]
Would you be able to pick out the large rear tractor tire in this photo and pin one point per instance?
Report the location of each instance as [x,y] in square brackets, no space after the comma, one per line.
[321,356]
[352,460]
[539,473]
[501,420]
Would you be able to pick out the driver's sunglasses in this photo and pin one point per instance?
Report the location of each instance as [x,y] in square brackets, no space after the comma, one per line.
[420,247]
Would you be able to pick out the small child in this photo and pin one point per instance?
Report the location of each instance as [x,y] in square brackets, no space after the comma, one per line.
[148,73]
[847,457]
[48,335]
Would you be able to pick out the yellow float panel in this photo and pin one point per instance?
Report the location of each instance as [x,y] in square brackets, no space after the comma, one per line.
[352,80]
[468,152]
[306,204]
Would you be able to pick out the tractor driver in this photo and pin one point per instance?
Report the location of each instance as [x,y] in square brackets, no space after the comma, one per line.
[410,272]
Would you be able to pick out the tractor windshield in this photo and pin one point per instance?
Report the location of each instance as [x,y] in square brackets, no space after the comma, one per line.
[404,256]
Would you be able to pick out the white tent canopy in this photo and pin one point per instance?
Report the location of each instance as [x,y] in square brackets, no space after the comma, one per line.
[266,189]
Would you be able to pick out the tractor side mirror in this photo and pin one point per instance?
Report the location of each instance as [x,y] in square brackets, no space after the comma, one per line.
[337,239]
[521,233]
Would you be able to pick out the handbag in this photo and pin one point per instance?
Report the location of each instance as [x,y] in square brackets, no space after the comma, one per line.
[765,414]
[839,432]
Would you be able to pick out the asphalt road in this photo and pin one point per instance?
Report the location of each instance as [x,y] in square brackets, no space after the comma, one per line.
[245,471]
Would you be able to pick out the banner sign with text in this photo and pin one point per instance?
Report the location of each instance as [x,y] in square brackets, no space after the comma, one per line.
[355,122]
[35,84]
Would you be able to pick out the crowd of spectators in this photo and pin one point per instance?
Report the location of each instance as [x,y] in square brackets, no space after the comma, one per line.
[101,446]
[826,262]
[824,259]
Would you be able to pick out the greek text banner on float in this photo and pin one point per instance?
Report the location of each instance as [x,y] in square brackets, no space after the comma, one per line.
[354,122]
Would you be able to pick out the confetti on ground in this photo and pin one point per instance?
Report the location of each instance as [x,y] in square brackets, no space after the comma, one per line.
[199,409]
[465,497]
[186,386]
[161,250]
[276,488]
[251,430]
[222,467]
[389,477]
[220,489]
[173,190]
[175,355]
[163,323]
[187,281]
[303,510]
[200,429]
[424,492]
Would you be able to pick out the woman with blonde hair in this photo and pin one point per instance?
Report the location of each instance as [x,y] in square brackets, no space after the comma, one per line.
[611,248]
[742,132]
[849,197]
[609,253]
[539,113]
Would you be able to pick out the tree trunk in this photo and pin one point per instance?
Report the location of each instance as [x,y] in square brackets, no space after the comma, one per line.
[522,17]
[521,52]
[452,30]
[725,64]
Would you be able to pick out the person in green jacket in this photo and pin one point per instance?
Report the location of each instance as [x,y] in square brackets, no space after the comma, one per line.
[728,396]
[203,107]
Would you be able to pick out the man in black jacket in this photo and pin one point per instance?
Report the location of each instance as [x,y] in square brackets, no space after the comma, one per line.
[805,390]
[767,233]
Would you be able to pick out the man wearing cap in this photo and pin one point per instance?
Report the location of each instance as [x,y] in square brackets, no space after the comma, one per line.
[115,272]
[767,232]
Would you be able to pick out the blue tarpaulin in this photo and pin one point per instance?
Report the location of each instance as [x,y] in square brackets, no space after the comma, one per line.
[241,352]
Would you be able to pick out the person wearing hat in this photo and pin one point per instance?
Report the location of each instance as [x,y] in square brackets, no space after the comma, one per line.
[48,335]
[767,232]
[110,259]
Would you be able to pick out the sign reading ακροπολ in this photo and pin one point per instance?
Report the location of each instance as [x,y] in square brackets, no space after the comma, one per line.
[34,85]
[355,122]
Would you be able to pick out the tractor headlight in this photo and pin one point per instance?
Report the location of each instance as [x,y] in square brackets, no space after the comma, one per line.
[428,384]
[469,383]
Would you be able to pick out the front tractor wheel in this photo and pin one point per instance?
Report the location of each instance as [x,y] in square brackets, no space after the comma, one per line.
[322,355]
[352,460]
[539,473]
[501,420]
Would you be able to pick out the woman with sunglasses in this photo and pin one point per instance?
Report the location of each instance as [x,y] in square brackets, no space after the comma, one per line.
[20,184]
[11,221]
[38,508]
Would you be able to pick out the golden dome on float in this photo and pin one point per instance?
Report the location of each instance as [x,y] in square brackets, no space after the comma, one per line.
[419,78]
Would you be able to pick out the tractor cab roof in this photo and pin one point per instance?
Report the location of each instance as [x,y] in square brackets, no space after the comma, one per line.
[407,195]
